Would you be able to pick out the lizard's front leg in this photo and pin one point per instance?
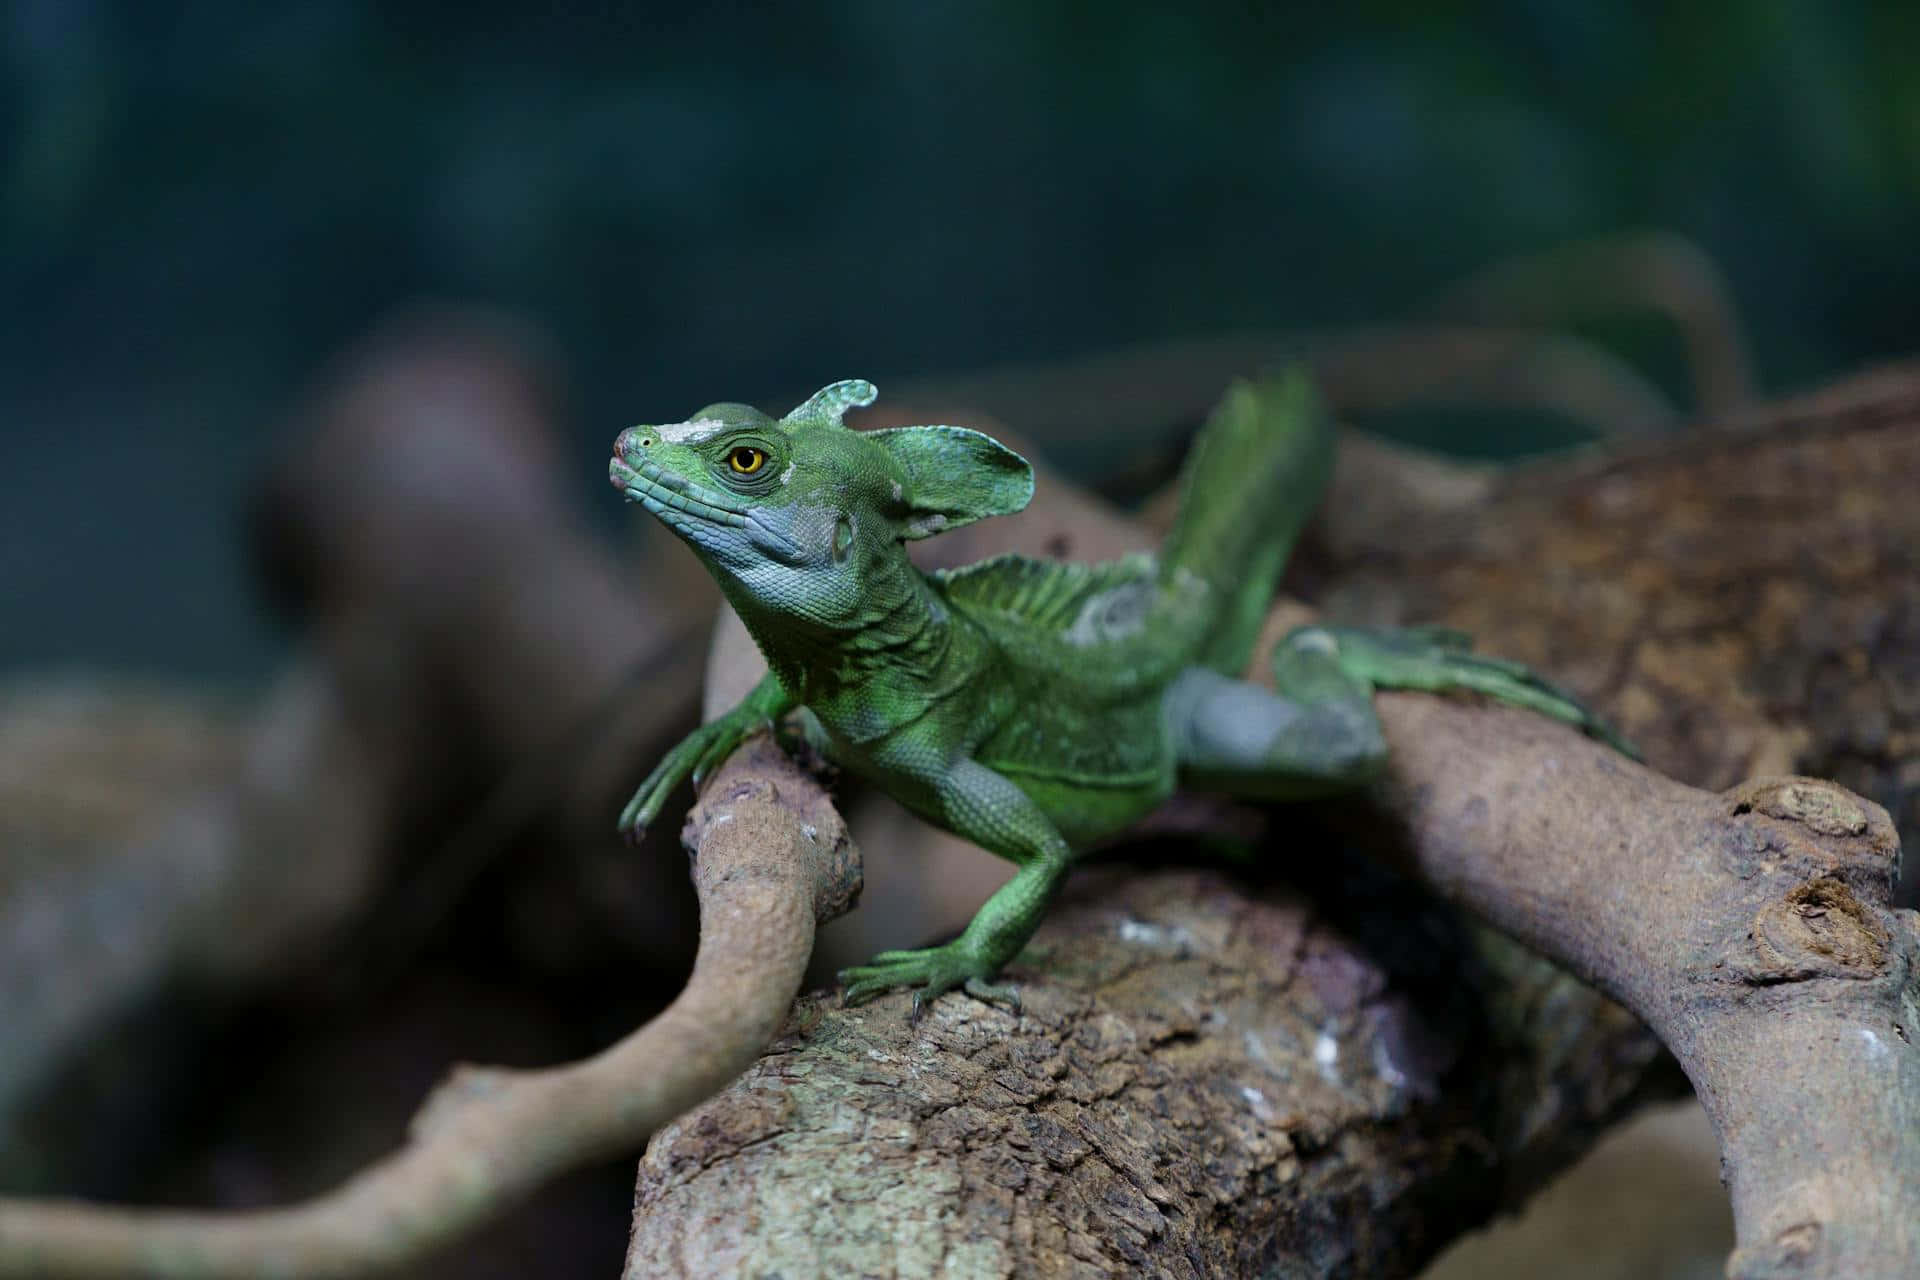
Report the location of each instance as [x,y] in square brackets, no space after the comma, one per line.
[702,751]
[983,806]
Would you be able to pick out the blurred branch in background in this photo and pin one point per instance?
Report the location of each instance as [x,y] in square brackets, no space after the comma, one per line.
[771,863]
[1466,348]
[460,629]
[1658,272]
[1143,388]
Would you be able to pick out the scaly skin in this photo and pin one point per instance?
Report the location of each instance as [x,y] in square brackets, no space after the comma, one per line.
[1030,707]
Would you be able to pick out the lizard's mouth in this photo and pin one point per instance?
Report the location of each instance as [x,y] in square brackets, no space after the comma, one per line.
[695,511]
[672,496]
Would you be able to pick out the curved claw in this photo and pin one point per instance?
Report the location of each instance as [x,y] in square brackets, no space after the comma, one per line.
[931,972]
[688,758]
[651,797]
[1005,993]
[643,808]
[693,758]
[718,750]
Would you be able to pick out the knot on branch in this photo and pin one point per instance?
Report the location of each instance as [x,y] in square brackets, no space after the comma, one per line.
[1814,830]
[1820,930]
[1822,806]
[1790,1252]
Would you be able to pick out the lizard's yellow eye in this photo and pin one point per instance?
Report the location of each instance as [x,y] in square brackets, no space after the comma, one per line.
[745,460]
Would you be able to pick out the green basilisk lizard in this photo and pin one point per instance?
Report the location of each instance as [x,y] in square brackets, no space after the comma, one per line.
[1029,706]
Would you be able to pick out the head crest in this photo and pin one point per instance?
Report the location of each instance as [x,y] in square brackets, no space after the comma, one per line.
[830,403]
[954,476]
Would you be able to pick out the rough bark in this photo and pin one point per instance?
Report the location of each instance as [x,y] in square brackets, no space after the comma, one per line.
[1206,1082]
[1203,1080]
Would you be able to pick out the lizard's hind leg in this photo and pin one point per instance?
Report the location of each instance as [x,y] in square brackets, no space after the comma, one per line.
[1438,660]
[1316,732]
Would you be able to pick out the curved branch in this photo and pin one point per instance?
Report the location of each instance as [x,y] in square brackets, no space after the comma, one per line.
[1132,393]
[1751,929]
[1655,271]
[772,860]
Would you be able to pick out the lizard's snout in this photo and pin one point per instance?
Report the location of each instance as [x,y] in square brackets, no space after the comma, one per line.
[628,448]
[632,441]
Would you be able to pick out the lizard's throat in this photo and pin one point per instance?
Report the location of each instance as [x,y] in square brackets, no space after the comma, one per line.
[895,620]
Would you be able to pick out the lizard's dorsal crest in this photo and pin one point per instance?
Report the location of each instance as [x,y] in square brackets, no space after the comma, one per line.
[954,476]
[830,403]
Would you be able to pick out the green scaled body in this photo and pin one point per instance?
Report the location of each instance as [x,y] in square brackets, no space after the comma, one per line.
[1030,706]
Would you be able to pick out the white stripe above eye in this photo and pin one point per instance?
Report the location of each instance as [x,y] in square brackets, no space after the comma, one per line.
[690,432]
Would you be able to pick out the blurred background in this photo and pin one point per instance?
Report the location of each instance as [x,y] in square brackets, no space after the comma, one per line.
[635,210]
[203,202]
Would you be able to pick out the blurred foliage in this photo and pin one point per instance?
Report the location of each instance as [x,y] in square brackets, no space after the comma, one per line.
[202,201]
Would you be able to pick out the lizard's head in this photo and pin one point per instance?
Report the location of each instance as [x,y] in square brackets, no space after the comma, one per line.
[759,498]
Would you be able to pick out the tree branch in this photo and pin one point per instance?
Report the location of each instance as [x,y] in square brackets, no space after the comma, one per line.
[1751,929]
[772,861]
[1209,1082]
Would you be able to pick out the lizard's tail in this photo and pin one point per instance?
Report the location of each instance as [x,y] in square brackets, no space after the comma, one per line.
[1256,472]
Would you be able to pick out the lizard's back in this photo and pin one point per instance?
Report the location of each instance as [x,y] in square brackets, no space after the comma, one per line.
[1085,651]
[1078,668]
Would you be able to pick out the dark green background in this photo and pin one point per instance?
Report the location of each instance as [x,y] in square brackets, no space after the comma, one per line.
[700,201]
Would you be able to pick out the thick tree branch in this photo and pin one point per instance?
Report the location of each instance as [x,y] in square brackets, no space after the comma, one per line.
[1204,1082]
[772,861]
[1751,929]
[1744,600]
